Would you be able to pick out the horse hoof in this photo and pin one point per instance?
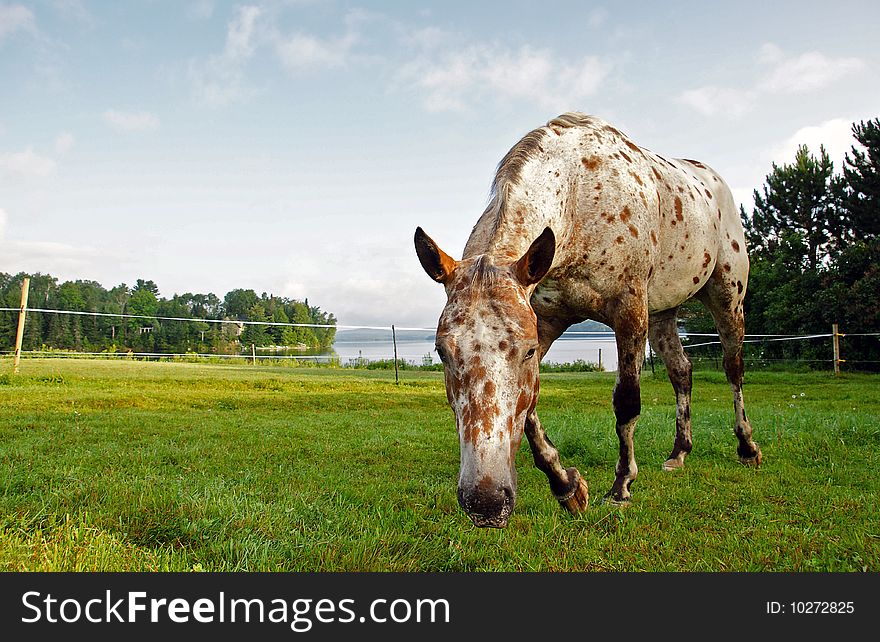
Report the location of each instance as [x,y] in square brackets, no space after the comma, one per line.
[578,498]
[754,460]
[673,464]
[610,498]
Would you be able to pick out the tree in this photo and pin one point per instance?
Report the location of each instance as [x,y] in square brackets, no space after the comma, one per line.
[799,217]
[861,172]
[143,302]
[254,333]
[277,331]
[237,303]
[96,333]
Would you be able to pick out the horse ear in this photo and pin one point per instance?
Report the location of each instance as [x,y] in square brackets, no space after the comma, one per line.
[536,262]
[437,263]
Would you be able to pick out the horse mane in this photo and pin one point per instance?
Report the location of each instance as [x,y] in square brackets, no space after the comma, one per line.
[509,170]
[484,272]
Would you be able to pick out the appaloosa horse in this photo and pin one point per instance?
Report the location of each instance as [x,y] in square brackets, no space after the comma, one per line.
[582,224]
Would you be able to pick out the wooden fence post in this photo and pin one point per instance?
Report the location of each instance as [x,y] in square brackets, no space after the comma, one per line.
[254,353]
[394,341]
[25,287]
[835,333]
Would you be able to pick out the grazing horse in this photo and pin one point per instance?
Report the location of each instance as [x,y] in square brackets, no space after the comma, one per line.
[582,223]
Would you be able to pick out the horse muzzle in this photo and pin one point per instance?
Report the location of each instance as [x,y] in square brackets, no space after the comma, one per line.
[488,505]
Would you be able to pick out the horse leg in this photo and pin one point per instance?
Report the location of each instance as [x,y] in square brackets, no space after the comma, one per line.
[723,299]
[663,333]
[630,331]
[567,484]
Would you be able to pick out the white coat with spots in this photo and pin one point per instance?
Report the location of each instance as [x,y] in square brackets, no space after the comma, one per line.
[583,224]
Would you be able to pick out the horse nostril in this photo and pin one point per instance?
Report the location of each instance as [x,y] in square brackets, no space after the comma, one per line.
[507,491]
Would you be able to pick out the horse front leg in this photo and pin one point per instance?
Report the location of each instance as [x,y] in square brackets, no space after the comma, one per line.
[569,488]
[631,332]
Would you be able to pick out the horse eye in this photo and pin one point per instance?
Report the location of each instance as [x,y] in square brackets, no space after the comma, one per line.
[529,354]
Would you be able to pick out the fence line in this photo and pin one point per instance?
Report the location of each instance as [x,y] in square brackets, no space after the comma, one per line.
[173,355]
[591,333]
[783,338]
[598,335]
[229,321]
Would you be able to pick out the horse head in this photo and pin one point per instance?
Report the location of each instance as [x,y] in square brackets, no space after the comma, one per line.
[487,339]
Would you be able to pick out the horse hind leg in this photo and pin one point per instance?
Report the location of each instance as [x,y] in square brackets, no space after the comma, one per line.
[663,334]
[724,300]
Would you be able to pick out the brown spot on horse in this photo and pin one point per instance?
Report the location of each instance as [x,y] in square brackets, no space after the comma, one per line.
[678,209]
[592,163]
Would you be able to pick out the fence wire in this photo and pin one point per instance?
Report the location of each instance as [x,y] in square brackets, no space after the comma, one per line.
[598,335]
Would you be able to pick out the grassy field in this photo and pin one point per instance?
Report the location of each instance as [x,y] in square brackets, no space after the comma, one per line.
[175,466]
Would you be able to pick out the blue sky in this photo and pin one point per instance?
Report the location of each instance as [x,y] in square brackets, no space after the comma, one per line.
[293,146]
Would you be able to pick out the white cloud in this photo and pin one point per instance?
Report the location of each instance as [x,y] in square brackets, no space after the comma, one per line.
[456,79]
[835,134]
[28,164]
[807,72]
[425,37]
[131,121]
[300,51]
[743,196]
[48,257]
[597,17]
[240,40]
[220,80]
[303,51]
[15,18]
[784,75]
[393,290]
[711,100]
[64,143]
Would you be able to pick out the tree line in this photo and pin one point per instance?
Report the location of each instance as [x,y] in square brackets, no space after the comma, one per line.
[814,245]
[86,333]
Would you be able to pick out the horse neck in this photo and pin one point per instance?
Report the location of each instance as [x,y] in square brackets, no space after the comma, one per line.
[518,214]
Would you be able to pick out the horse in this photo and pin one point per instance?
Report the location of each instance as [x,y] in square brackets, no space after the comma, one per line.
[582,223]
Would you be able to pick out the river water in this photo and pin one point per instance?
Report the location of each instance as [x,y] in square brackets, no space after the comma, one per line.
[564,350]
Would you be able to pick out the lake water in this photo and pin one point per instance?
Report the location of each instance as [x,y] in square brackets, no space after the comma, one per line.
[563,350]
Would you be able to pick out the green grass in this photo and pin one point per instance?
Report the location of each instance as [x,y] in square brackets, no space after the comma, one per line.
[178,466]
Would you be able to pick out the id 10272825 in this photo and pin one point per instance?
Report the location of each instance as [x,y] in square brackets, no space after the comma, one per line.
[810,608]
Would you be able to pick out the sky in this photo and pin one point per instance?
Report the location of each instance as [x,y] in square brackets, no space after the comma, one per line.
[292,147]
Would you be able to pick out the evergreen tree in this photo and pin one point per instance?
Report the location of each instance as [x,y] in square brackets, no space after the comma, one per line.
[862,174]
[799,217]
[253,332]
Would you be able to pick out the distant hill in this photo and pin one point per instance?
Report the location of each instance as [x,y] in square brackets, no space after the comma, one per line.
[588,326]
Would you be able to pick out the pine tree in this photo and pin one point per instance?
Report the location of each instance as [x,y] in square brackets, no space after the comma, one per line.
[862,174]
[799,217]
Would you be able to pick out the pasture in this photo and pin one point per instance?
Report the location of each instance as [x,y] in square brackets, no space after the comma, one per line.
[178,466]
